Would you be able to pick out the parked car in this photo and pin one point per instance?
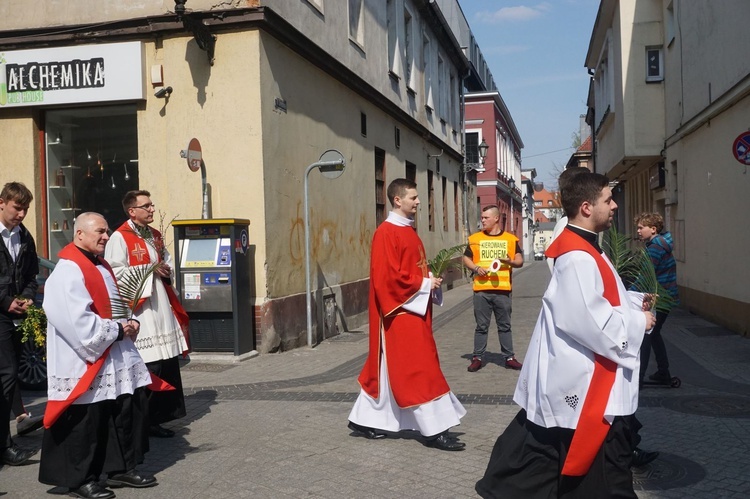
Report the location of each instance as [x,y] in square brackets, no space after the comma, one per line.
[32,363]
[539,256]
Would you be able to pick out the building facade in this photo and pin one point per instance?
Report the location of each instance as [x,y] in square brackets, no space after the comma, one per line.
[668,102]
[100,98]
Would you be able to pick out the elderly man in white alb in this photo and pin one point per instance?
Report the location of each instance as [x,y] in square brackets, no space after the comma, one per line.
[95,421]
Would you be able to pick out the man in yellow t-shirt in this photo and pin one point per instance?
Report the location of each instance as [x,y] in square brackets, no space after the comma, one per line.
[491,254]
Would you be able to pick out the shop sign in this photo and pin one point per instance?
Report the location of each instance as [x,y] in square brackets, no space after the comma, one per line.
[72,75]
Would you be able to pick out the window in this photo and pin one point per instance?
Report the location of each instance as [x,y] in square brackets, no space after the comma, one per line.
[408,48]
[380,194]
[445,203]
[441,87]
[427,71]
[472,148]
[654,64]
[363,124]
[394,60]
[356,22]
[455,205]
[397,136]
[410,173]
[453,101]
[92,161]
[430,203]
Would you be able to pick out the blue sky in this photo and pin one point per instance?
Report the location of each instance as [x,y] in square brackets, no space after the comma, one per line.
[536,51]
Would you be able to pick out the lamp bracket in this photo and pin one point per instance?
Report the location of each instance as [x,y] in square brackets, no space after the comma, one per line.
[203,37]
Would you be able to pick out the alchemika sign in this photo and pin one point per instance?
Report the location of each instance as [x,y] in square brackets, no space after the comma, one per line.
[71,75]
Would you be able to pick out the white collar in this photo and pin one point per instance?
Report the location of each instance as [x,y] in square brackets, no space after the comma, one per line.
[397,219]
[4,229]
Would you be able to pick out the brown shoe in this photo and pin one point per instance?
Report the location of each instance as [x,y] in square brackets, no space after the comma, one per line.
[476,365]
[512,363]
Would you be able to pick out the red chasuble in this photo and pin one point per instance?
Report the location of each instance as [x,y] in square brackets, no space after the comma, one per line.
[592,428]
[397,267]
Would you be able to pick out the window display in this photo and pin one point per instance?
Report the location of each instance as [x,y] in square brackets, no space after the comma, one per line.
[92,161]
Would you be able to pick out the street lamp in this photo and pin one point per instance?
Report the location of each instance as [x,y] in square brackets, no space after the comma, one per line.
[331,165]
[512,187]
[483,148]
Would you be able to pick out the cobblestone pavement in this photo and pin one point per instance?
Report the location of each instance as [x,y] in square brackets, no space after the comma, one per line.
[274,426]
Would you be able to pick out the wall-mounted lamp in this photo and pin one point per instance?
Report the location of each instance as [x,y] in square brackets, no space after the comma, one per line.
[482,149]
[203,37]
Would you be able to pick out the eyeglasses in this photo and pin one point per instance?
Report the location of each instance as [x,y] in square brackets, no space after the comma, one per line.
[146,206]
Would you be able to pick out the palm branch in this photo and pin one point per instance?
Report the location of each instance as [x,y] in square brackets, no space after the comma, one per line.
[445,260]
[132,285]
[624,260]
[646,282]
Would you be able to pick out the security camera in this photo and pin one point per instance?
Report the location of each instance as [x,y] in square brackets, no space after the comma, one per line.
[163,92]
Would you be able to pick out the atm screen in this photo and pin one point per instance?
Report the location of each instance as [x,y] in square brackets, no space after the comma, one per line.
[200,253]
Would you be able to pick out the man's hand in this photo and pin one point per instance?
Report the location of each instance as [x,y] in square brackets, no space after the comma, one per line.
[481,271]
[19,306]
[163,270]
[650,320]
[649,300]
[436,282]
[131,328]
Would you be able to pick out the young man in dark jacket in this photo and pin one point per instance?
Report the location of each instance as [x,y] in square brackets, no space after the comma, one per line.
[19,266]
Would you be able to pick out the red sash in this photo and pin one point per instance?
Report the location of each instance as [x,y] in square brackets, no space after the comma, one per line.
[101,306]
[138,255]
[592,428]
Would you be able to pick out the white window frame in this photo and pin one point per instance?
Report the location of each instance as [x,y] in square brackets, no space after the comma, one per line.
[357,30]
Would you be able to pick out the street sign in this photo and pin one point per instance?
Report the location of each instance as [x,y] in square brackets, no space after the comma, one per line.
[741,148]
[194,155]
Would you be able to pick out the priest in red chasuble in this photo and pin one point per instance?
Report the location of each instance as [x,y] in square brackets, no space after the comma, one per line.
[403,387]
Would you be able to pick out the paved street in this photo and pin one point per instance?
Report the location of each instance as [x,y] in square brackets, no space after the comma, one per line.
[274,426]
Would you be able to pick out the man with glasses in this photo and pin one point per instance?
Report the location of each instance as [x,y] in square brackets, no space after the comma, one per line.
[164,323]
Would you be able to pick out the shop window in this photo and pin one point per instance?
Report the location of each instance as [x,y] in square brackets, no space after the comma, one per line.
[380,192]
[92,161]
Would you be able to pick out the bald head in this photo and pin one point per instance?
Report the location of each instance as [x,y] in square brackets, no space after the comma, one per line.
[90,232]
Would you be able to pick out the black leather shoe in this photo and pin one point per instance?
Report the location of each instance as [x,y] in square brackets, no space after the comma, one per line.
[642,457]
[160,432]
[131,479]
[92,490]
[444,442]
[15,456]
[368,432]
[29,424]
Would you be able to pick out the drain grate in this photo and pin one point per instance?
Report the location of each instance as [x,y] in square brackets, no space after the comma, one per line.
[667,472]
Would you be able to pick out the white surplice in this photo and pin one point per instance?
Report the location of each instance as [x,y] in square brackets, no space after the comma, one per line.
[161,337]
[76,335]
[575,322]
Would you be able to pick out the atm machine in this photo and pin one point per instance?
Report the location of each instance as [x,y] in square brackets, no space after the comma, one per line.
[213,270]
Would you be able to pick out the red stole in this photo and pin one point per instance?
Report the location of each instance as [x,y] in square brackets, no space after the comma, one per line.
[101,306]
[592,428]
[138,255]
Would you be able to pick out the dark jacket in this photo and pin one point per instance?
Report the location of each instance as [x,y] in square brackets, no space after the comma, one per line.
[18,278]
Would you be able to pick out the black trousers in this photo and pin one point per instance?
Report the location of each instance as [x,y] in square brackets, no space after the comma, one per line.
[527,459]
[655,341]
[90,439]
[8,377]
[169,405]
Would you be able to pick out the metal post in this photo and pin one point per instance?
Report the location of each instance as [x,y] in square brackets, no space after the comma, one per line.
[332,167]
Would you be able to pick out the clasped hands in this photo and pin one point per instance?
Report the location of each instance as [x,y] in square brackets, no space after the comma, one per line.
[131,328]
[19,305]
